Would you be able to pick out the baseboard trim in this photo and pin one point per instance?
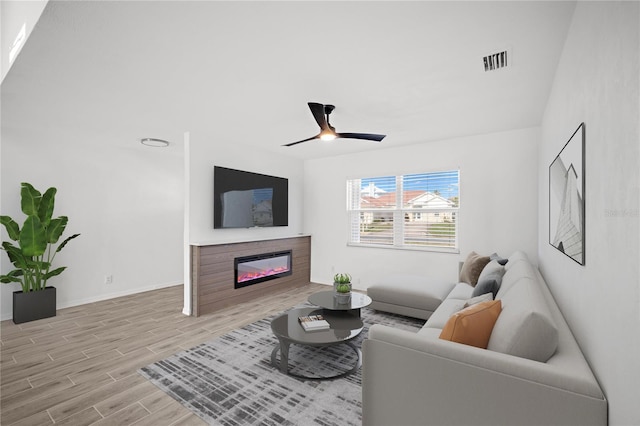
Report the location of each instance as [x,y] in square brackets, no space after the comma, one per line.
[102,297]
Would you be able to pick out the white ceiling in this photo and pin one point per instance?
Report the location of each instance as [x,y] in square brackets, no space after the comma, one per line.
[242,72]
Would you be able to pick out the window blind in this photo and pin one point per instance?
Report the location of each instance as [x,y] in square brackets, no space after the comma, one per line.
[406,211]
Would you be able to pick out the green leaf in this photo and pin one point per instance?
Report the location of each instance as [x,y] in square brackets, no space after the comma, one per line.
[6,279]
[56,228]
[53,273]
[342,278]
[30,199]
[33,239]
[16,256]
[12,227]
[32,264]
[16,273]
[45,211]
[41,266]
[14,276]
[343,288]
[64,243]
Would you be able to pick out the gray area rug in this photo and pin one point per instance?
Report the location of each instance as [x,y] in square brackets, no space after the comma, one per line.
[230,380]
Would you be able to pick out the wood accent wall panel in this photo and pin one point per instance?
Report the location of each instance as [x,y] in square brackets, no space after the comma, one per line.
[213,275]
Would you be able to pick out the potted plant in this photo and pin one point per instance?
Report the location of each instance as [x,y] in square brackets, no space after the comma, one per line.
[342,287]
[34,254]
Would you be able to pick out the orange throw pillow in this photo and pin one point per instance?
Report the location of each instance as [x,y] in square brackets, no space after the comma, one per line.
[473,325]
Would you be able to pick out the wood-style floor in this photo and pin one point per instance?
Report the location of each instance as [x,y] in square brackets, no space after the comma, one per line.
[79,368]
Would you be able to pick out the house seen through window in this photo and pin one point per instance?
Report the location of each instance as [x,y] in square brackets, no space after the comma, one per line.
[407,211]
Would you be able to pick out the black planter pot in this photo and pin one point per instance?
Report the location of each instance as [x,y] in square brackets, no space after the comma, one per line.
[34,305]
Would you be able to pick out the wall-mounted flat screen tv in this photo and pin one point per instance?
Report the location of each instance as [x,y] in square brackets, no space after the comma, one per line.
[245,199]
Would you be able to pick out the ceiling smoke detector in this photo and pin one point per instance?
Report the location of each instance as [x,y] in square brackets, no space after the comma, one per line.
[496,61]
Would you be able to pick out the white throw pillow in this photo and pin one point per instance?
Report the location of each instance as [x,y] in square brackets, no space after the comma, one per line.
[478,299]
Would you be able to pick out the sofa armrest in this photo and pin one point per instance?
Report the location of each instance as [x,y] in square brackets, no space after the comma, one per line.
[410,379]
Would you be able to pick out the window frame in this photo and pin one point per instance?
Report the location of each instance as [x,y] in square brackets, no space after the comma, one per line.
[398,213]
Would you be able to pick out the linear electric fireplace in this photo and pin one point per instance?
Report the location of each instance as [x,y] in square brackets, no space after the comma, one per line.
[255,269]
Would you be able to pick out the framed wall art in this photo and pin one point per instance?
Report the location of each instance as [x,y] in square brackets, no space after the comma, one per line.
[566,198]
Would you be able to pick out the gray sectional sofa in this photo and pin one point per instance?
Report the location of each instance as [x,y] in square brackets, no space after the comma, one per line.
[532,372]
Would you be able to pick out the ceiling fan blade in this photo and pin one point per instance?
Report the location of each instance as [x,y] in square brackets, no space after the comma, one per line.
[303,140]
[365,136]
[321,114]
[318,113]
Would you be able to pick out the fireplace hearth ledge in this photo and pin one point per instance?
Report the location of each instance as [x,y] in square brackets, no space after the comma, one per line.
[242,240]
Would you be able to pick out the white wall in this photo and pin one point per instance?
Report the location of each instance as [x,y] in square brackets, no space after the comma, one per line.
[205,152]
[597,82]
[498,205]
[125,199]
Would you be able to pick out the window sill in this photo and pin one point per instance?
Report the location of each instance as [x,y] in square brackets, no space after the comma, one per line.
[409,248]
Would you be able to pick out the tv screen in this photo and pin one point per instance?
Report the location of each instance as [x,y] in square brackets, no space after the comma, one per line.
[245,199]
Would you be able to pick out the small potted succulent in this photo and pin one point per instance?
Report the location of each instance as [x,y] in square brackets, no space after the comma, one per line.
[342,287]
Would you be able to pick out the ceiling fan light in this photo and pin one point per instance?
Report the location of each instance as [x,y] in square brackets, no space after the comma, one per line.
[327,136]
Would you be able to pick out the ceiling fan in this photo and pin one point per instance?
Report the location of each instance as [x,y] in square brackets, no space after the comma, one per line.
[327,131]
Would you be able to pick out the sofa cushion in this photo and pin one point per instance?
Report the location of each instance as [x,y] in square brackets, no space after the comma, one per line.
[525,327]
[490,279]
[486,297]
[461,291]
[446,309]
[473,325]
[472,267]
[513,275]
[411,291]
[516,257]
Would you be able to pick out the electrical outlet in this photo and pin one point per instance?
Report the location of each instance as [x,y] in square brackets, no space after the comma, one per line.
[108,279]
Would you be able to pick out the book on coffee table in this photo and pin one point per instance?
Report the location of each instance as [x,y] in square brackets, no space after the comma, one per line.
[313,322]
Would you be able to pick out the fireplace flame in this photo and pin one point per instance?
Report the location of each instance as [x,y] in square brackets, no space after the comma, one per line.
[248,276]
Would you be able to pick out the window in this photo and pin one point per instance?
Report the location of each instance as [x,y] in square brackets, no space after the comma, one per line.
[409,211]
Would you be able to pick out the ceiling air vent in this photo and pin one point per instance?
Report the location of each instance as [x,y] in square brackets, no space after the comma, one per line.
[495,61]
